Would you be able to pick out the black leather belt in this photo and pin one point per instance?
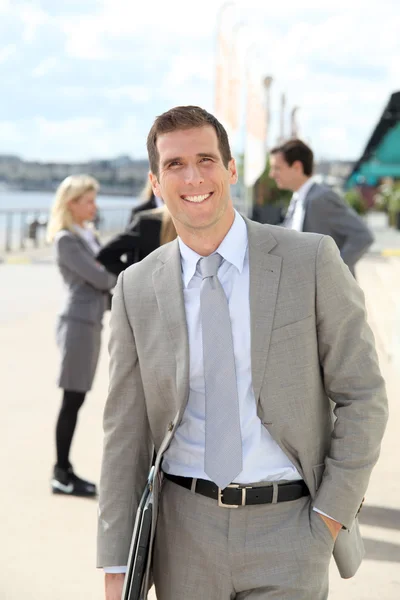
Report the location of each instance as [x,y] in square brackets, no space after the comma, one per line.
[236,495]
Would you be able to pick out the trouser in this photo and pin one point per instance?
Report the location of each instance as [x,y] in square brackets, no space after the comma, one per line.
[205,552]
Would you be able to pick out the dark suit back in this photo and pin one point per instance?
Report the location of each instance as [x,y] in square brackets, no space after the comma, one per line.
[142,237]
[143,206]
[327,213]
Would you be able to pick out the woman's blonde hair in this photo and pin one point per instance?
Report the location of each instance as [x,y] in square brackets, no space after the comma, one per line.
[168,231]
[147,191]
[72,188]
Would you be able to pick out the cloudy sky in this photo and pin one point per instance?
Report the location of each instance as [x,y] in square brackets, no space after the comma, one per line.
[84,79]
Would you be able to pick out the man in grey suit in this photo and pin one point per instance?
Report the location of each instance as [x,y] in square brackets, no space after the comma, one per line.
[317,208]
[228,348]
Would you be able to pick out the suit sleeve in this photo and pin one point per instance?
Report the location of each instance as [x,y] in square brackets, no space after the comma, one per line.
[110,255]
[344,223]
[127,446]
[352,381]
[71,255]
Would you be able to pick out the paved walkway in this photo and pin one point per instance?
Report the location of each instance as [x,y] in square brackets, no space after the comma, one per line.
[387,240]
[48,542]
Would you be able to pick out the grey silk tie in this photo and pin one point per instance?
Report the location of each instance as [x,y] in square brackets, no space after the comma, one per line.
[223,450]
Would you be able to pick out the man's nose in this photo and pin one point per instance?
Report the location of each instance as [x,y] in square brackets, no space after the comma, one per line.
[193,175]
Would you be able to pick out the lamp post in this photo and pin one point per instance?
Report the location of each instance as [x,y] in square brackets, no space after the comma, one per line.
[267,87]
[282,118]
[294,130]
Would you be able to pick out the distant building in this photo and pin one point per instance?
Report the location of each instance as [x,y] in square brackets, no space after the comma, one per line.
[333,173]
[116,176]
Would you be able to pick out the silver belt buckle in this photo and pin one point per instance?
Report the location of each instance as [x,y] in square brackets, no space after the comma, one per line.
[235,486]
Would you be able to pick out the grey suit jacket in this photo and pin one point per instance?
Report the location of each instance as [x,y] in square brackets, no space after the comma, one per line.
[85,280]
[327,213]
[309,343]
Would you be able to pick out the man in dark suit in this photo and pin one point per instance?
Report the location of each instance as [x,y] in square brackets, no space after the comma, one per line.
[316,208]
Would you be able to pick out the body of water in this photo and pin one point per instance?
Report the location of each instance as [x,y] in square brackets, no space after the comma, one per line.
[42,201]
[20,208]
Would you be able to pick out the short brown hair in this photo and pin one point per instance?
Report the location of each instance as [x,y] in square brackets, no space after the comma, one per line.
[293,150]
[185,117]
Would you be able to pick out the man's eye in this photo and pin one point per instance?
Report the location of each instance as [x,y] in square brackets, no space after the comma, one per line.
[174,163]
[205,158]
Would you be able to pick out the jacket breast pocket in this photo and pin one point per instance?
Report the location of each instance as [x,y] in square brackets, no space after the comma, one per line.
[291,330]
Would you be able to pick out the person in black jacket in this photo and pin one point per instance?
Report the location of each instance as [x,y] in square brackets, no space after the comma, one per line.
[149,230]
[148,202]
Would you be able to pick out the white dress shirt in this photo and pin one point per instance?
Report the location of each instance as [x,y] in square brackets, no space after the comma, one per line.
[297,204]
[89,237]
[263,459]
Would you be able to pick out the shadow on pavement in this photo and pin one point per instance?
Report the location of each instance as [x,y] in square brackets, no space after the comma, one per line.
[377,550]
[387,518]
[378,516]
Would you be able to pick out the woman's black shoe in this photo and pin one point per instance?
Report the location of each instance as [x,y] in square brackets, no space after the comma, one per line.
[65,482]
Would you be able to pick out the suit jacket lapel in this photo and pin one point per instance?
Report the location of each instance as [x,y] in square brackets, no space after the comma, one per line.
[265,271]
[84,243]
[167,281]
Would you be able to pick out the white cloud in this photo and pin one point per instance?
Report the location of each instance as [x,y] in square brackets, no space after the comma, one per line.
[5,6]
[32,18]
[9,133]
[73,128]
[337,67]
[189,67]
[76,139]
[159,22]
[45,67]
[7,52]
[84,37]
[135,93]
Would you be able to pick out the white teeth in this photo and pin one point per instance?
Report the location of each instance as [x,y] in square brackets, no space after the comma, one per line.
[196,198]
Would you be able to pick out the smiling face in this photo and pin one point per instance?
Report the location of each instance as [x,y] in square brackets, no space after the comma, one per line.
[193,181]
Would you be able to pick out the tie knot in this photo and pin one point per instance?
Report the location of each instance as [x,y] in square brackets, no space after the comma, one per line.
[209,265]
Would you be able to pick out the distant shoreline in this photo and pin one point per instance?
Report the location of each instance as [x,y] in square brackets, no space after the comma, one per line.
[45,189]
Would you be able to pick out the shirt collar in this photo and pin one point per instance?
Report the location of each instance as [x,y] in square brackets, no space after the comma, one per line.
[305,188]
[232,249]
[85,232]
[82,231]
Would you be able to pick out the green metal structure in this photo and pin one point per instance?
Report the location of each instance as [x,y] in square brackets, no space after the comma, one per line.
[381,157]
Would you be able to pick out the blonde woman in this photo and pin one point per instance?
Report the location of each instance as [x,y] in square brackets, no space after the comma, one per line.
[79,322]
[149,230]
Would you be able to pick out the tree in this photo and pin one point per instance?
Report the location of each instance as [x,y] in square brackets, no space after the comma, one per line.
[267,192]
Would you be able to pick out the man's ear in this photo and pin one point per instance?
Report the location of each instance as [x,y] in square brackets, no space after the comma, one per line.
[154,184]
[299,166]
[233,176]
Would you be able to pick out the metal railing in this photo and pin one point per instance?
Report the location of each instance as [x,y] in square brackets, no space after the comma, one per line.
[24,229]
